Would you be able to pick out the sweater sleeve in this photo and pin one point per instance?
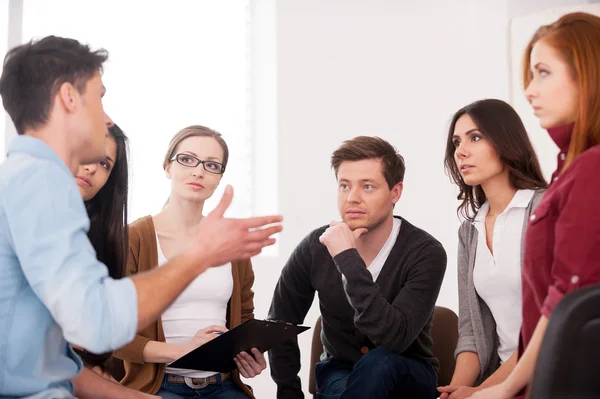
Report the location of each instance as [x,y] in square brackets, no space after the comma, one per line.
[466,336]
[394,325]
[292,299]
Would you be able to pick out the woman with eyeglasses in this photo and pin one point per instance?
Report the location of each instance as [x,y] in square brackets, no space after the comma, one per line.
[218,299]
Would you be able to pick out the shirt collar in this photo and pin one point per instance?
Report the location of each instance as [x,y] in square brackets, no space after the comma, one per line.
[521,199]
[482,213]
[36,148]
[562,136]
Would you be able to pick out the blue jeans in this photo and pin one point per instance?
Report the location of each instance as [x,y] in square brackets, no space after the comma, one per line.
[379,374]
[222,389]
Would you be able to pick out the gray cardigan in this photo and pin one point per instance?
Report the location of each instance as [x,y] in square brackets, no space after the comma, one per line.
[476,325]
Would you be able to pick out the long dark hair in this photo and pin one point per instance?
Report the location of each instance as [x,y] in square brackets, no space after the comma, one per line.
[108,233]
[505,131]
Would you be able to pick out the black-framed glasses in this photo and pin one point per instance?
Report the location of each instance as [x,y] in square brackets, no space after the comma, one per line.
[191,161]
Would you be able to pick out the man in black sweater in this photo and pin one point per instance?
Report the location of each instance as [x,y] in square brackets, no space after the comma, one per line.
[378,278]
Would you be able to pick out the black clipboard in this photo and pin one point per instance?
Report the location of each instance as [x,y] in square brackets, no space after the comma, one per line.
[217,355]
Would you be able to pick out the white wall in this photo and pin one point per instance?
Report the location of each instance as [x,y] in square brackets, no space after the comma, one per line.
[342,68]
[11,12]
[380,67]
[517,8]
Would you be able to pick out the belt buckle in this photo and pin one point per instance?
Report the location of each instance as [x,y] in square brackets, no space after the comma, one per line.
[189,382]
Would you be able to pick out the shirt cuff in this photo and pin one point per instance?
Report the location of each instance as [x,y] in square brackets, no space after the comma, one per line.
[465,344]
[349,260]
[552,299]
[133,352]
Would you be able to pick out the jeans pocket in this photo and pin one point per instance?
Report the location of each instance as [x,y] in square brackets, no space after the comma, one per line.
[319,367]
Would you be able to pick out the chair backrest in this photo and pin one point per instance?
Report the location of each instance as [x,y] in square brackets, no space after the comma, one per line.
[567,366]
[315,354]
[444,333]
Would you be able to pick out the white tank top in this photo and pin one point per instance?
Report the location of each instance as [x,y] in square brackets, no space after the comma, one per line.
[203,303]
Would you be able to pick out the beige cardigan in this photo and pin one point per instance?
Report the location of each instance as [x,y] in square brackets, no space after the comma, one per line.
[143,256]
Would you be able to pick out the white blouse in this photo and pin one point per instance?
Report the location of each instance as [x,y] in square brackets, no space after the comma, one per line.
[497,277]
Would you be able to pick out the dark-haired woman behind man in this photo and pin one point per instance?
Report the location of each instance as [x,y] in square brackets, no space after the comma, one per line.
[490,158]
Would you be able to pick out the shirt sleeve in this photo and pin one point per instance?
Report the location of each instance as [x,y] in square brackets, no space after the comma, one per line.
[576,236]
[48,226]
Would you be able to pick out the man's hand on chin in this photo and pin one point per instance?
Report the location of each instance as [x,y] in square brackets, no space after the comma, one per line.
[338,237]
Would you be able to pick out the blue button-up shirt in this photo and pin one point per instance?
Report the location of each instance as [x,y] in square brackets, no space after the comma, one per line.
[53,290]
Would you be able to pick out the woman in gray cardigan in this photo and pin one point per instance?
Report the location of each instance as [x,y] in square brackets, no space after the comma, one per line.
[490,158]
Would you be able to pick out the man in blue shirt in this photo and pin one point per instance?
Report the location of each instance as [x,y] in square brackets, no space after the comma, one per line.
[53,290]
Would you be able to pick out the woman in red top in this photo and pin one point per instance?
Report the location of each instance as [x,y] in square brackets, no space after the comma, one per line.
[562,243]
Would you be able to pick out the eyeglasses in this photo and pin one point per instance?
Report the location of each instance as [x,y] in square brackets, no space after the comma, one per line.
[191,162]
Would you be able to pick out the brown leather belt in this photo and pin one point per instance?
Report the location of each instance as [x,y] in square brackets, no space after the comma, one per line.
[197,383]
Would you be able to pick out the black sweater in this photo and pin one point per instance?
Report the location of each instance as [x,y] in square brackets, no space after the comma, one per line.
[395,312]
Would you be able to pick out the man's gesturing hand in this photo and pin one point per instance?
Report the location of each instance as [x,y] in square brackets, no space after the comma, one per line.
[221,240]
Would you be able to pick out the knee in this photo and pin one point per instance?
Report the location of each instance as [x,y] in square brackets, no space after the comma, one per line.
[376,356]
[378,361]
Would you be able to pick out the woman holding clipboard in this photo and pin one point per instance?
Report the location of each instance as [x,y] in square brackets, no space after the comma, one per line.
[219,299]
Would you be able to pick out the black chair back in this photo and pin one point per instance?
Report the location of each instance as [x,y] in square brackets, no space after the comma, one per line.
[568,365]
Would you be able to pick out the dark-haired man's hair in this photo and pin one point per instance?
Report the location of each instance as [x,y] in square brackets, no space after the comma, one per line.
[366,147]
[33,73]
